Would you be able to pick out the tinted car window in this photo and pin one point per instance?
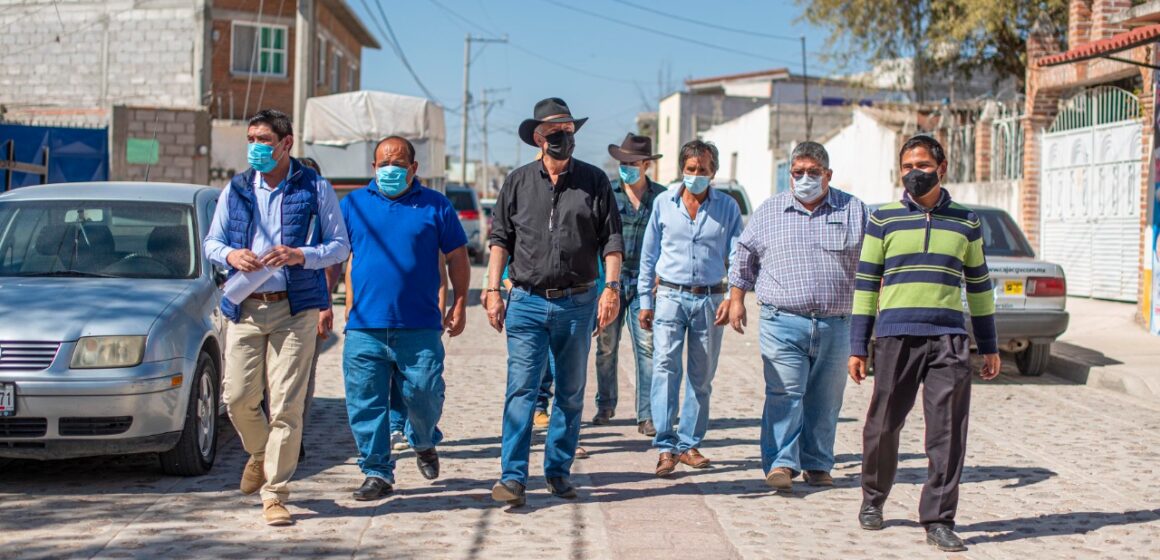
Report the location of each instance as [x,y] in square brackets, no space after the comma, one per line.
[100,238]
[1001,236]
[739,198]
[461,200]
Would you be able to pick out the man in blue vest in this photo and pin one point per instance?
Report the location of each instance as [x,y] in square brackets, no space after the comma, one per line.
[280,215]
[398,229]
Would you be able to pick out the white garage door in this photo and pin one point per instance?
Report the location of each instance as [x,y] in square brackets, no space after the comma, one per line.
[1090,193]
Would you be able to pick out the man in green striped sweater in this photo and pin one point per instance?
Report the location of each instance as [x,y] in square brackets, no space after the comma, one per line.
[917,256]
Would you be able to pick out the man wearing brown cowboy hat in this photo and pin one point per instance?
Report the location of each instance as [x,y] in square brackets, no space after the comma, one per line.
[554,219]
[634,195]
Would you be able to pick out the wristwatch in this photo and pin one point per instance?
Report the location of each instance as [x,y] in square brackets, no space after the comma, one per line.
[613,286]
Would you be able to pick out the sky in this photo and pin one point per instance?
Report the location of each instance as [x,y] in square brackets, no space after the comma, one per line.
[608,59]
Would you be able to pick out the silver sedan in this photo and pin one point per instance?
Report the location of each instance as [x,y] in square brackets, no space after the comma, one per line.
[112,338]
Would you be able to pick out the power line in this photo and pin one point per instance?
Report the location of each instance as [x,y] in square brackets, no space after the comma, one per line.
[664,34]
[705,23]
[396,46]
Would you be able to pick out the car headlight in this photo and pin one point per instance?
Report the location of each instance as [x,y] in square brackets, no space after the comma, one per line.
[108,352]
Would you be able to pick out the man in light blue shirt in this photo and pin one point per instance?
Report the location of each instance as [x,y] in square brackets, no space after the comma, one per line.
[278,214]
[688,246]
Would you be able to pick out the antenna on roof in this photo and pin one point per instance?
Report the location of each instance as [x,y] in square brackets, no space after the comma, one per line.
[149,166]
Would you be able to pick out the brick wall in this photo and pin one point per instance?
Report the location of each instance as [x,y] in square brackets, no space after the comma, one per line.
[1148,112]
[1102,13]
[230,99]
[183,137]
[1079,23]
[108,52]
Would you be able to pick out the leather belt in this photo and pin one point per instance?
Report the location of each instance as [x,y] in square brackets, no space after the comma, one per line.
[269,297]
[557,293]
[695,290]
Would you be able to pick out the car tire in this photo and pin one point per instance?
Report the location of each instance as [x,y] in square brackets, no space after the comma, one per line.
[1033,360]
[196,450]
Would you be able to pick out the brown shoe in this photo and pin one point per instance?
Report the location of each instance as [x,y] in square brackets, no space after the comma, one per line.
[275,513]
[818,478]
[253,477]
[780,478]
[666,464]
[694,459]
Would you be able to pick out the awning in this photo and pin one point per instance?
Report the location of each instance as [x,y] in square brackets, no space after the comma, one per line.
[1104,48]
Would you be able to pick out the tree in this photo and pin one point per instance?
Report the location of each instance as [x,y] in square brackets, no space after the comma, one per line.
[962,37]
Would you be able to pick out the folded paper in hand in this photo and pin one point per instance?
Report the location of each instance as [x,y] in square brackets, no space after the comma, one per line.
[242,284]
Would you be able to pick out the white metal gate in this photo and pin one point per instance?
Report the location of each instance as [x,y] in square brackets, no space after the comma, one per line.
[1090,193]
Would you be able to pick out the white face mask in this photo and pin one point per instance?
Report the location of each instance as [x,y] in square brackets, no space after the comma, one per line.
[807,189]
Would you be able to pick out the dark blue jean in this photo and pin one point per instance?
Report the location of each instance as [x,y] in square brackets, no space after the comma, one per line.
[539,331]
[372,361]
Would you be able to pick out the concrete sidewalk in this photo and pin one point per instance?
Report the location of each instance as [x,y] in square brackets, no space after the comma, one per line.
[1105,347]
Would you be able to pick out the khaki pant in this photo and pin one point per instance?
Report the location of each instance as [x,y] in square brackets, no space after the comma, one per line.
[269,351]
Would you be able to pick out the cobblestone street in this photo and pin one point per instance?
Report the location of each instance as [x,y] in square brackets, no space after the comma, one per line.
[1054,470]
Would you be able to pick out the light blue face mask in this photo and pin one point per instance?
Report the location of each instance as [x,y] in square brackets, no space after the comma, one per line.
[391,180]
[807,189]
[261,157]
[697,184]
[630,174]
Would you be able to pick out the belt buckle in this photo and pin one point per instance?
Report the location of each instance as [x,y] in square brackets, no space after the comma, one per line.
[555,293]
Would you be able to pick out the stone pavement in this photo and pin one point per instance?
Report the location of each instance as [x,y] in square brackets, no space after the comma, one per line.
[1055,470]
[1104,347]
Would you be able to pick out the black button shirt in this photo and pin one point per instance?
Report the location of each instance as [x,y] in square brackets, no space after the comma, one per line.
[556,234]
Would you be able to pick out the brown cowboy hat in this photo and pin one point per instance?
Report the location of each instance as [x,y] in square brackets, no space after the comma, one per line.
[550,110]
[634,148]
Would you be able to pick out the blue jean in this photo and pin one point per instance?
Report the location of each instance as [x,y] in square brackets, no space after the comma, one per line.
[372,361]
[398,407]
[680,316]
[607,346]
[805,377]
[539,330]
[544,397]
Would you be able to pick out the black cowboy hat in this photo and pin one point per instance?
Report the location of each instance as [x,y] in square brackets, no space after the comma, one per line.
[634,148]
[550,110]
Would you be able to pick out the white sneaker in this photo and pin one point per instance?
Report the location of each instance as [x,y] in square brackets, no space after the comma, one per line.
[399,441]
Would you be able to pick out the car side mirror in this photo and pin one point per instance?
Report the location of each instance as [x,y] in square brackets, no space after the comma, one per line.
[220,275]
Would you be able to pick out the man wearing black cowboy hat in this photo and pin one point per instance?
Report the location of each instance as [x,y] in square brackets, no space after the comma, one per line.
[634,195]
[554,219]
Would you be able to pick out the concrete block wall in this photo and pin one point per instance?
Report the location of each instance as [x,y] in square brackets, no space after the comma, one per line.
[183,137]
[101,52]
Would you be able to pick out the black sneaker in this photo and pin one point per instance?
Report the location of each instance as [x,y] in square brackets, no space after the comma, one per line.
[943,538]
[428,461]
[870,517]
[510,492]
[373,488]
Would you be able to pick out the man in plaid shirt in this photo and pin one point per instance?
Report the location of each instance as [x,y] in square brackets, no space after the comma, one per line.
[800,253]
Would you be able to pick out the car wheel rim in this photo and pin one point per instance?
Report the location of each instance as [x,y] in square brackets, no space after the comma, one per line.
[205,414]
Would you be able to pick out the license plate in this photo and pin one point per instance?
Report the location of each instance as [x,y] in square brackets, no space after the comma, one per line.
[7,399]
[1013,287]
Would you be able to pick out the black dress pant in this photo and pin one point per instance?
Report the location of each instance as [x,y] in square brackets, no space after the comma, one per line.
[941,365]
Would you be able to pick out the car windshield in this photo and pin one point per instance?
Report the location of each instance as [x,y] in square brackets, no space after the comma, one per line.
[461,200]
[1001,237]
[98,238]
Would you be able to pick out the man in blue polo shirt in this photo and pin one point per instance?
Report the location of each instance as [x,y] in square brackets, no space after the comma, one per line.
[398,228]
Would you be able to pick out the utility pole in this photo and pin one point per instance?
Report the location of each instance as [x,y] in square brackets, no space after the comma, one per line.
[806,87]
[486,109]
[303,80]
[467,41]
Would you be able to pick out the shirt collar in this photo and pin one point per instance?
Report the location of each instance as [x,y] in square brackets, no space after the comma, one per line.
[677,192]
[567,168]
[260,178]
[414,188]
[794,204]
[944,200]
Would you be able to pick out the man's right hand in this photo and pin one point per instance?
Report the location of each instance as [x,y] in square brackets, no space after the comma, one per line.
[646,319]
[495,310]
[737,316]
[856,366]
[244,260]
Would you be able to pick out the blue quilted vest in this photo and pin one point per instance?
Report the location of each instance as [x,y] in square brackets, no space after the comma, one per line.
[306,288]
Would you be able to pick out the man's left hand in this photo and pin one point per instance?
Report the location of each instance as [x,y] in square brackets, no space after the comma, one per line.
[284,256]
[455,320]
[325,323]
[722,317]
[609,308]
[991,365]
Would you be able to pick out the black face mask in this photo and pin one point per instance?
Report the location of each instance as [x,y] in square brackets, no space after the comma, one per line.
[919,182]
[560,144]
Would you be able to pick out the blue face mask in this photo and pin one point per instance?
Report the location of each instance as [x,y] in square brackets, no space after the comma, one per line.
[630,174]
[807,189]
[261,157]
[391,180]
[697,184]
